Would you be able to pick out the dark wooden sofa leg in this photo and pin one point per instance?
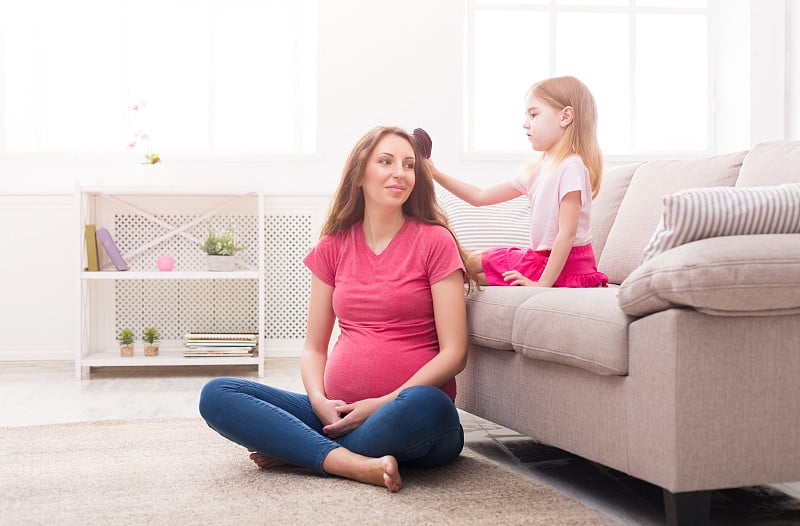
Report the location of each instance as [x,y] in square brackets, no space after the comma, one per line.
[689,508]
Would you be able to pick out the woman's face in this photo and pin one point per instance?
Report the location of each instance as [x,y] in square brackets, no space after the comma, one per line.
[543,124]
[389,174]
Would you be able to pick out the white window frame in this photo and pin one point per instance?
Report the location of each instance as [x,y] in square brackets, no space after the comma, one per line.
[304,81]
[552,7]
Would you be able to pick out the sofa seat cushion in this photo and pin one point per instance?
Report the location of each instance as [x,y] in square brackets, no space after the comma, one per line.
[757,275]
[579,327]
[490,314]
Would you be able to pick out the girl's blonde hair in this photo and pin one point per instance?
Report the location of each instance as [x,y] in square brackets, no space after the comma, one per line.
[580,137]
[347,206]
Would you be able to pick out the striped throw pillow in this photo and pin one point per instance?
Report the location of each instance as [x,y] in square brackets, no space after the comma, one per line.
[479,228]
[700,213]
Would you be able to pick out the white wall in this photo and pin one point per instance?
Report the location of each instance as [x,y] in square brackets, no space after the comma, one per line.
[380,62]
[793,68]
[768,60]
[39,307]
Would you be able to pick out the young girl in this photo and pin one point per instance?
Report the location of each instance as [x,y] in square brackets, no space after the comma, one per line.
[561,122]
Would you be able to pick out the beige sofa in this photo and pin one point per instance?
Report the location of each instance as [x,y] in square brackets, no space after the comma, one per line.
[685,372]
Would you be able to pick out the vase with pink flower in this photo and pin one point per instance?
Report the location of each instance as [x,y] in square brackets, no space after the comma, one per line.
[140,138]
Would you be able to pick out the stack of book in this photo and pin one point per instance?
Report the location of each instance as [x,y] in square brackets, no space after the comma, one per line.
[220,344]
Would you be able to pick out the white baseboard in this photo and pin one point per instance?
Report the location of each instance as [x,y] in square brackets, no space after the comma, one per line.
[36,355]
[283,348]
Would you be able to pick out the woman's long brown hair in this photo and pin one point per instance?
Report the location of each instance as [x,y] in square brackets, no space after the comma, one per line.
[347,206]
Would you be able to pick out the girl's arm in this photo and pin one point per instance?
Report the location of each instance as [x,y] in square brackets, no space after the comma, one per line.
[569,212]
[450,315]
[472,194]
[315,349]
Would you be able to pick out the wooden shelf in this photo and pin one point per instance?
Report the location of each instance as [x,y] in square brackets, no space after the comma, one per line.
[167,356]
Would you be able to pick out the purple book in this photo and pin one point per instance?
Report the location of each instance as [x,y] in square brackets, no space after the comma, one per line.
[104,238]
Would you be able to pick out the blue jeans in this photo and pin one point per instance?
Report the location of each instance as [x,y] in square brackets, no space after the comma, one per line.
[419,428]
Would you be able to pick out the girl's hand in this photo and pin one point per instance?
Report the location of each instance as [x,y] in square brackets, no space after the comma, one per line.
[515,279]
[351,416]
[435,173]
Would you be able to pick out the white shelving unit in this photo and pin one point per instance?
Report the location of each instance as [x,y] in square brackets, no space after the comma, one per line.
[146,222]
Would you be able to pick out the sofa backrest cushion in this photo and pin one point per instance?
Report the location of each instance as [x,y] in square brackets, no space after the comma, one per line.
[508,224]
[479,228]
[642,206]
[605,206]
[771,163]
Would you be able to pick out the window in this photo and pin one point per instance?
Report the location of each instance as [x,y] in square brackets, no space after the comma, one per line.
[647,62]
[215,76]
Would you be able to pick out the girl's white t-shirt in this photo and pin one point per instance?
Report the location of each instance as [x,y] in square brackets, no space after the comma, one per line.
[545,190]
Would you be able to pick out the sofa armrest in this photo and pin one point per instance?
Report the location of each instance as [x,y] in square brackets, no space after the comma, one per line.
[755,275]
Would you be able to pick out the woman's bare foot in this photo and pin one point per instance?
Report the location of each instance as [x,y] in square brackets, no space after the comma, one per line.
[382,471]
[264,461]
[391,473]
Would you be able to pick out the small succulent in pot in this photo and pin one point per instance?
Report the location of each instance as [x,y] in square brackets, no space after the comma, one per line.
[126,339]
[220,249]
[150,337]
[223,244]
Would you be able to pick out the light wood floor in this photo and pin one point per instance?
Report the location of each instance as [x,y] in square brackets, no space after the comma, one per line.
[47,393]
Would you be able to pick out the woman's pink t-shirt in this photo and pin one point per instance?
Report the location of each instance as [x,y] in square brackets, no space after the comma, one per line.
[384,306]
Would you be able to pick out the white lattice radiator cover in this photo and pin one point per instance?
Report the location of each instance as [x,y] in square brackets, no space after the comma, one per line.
[219,305]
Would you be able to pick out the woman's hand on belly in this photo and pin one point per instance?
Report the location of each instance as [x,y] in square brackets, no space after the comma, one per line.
[352,416]
[326,411]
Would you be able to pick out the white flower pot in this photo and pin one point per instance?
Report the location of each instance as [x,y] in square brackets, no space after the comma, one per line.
[221,263]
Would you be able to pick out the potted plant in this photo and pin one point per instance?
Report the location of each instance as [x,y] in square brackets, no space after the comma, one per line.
[220,249]
[126,339]
[150,337]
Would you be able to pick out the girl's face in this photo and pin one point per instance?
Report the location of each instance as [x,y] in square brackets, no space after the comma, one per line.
[389,174]
[544,124]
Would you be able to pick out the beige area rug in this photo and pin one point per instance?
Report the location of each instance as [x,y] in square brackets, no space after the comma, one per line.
[178,471]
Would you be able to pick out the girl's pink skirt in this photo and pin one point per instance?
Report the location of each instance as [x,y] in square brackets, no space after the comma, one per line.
[580,269]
